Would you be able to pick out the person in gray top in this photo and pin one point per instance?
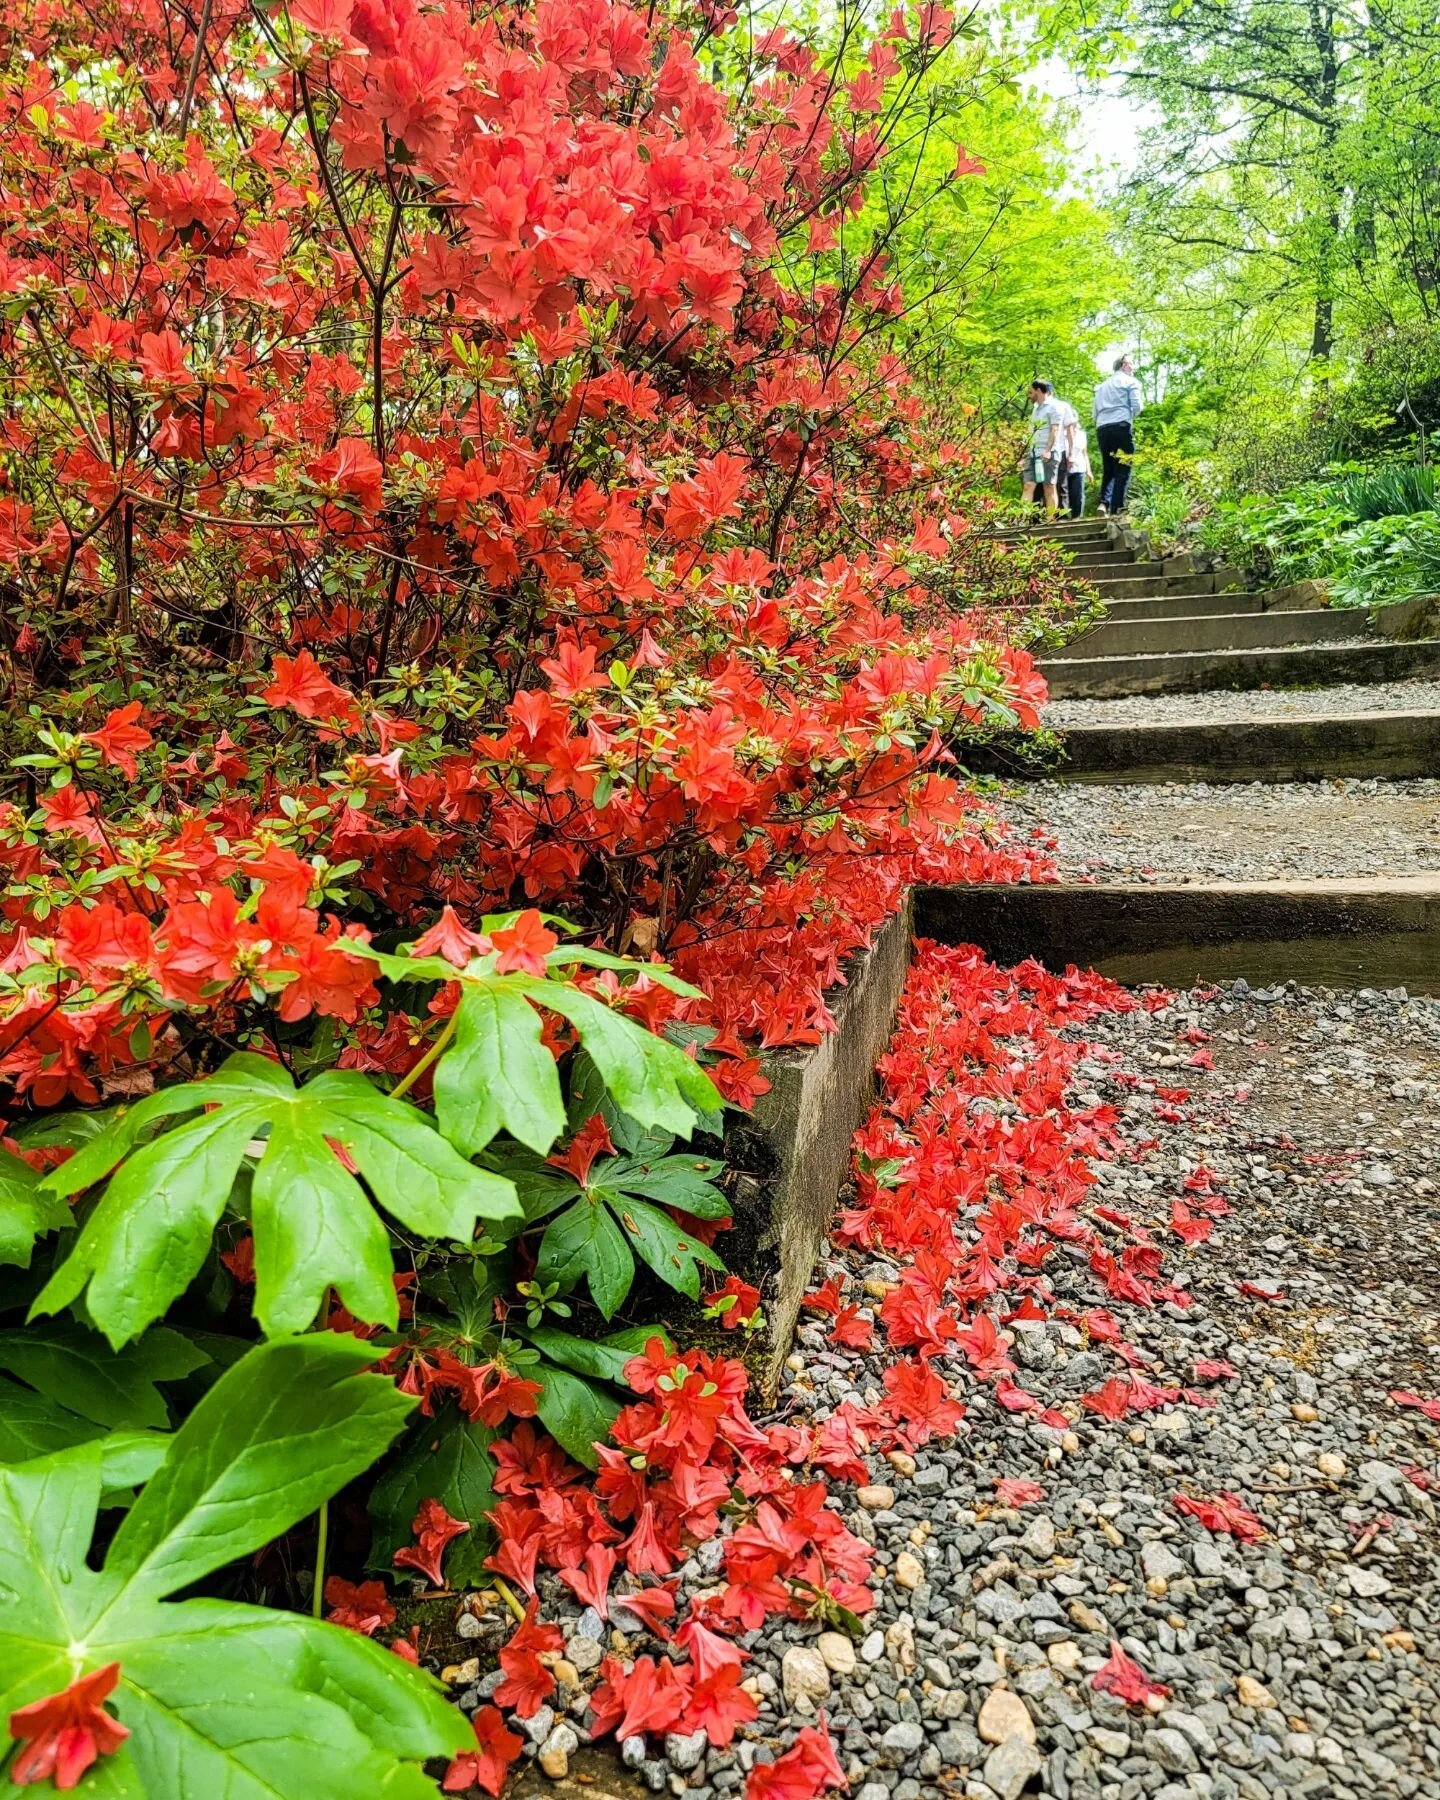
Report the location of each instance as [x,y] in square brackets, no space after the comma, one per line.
[1040,465]
[1118,403]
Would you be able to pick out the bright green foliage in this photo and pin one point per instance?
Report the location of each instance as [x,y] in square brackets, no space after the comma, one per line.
[219,1698]
[496,1074]
[314,1226]
[26,1210]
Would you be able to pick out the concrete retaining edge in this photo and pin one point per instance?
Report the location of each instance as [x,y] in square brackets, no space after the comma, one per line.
[795,1146]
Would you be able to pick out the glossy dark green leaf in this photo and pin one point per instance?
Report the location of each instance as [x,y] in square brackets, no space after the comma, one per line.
[78,1370]
[577,1414]
[446,1458]
[656,1239]
[585,1240]
[688,1182]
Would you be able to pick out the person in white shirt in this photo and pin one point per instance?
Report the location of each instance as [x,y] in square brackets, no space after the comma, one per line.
[1118,403]
[1074,461]
[1040,465]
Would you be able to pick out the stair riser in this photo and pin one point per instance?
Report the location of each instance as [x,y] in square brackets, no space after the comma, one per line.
[1206,605]
[1220,631]
[1401,746]
[1308,665]
[1344,934]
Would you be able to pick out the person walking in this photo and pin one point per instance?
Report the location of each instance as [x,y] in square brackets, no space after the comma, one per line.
[1118,404]
[1074,462]
[1040,466]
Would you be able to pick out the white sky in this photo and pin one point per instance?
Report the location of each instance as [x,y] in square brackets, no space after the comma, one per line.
[1105,128]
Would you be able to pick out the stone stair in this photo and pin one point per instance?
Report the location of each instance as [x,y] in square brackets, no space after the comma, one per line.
[1175,626]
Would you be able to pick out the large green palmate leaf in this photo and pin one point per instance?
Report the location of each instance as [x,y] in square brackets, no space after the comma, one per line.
[219,1699]
[26,1210]
[313,1224]
[497,1075]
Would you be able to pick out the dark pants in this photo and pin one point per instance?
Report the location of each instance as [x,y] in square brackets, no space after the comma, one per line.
[1075,483]
[1116,442]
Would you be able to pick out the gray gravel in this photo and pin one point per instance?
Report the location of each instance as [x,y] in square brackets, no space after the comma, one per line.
[1250,832]
[1256,703]
[1303,1666]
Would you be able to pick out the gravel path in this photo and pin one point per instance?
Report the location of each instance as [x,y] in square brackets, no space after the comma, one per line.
[1302,1666]
[1258,703]
[1291,1355]
[1253,832]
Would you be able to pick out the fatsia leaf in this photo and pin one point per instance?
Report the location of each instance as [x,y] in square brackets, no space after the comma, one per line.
[219,1699]
[313,1224]
[286,1427]
[650,1078]
[491,1072]
[26,1210]
[31,1425]
[498,1073]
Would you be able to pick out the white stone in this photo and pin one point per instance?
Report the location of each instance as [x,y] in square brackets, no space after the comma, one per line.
[1005,1715]
[803,1676]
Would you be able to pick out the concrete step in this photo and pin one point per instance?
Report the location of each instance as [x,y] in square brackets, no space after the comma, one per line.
[1174,635]
[1304,665]
[1354,933]
[1144,578]
[1197,606]
[1086,558]
[1389,746]
[1072,538]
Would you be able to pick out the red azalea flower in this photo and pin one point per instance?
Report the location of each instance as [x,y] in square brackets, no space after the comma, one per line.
[65,1733]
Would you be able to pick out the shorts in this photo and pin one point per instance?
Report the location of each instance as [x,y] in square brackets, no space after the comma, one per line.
[1040,468]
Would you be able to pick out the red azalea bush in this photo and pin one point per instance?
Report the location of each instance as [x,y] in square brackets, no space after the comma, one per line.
[442,386]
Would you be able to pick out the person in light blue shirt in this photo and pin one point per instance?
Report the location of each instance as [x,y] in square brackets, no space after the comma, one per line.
[1118,403]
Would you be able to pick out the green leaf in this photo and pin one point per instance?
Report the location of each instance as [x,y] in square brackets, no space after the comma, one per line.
[78,1370]
[660,973]
[336,1237]
[31,1425]
[650,1078]
[584,1356]
[446,1458]
[26,1210]
[498,1074]
[277,1434]
[219,1699]
[314,1227]
[576,1413]
[584,1239]
[688,1182]
[672,1254]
